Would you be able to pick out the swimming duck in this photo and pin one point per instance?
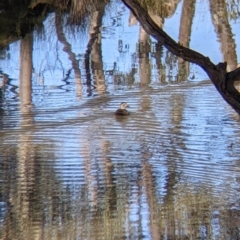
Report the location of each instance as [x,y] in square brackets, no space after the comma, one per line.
[122,110]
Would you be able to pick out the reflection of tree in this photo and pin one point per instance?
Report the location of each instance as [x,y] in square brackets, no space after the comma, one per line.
[188,10]
[222,27]
[150,188]
[1,96]
[34,194]
[143,52]
[93,56]
[188,214]
[26,151]
[158,10]
[42,207]
[230,228]
[223,81]
[68,50]
[17,19]
[106,208]
[31,189]
[26,73]
[157,54]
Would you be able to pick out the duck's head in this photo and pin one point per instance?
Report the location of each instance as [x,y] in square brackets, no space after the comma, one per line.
[123,105]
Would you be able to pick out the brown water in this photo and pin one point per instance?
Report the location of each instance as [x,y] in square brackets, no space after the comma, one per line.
[69,169]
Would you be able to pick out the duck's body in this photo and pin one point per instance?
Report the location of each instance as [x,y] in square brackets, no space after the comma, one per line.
[122,110]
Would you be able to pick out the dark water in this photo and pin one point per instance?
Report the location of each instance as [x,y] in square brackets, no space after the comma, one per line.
[69,169]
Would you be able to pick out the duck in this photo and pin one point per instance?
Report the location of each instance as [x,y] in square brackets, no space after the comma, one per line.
[122,110]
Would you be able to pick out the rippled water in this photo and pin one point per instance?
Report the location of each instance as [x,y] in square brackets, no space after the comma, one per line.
[70,169]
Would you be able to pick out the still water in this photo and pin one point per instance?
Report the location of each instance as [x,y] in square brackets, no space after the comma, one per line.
[70,169]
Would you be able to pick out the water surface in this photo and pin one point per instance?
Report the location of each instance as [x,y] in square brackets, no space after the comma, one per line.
[70,169]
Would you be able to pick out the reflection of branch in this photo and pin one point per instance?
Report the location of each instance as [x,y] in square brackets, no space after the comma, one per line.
[71,55]
[222,80]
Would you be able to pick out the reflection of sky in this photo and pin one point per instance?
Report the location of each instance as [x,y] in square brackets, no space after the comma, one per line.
[122,31]
[51,63]
[198,142]
[235,31]
[203,36]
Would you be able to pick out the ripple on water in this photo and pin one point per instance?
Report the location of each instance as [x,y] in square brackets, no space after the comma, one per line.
[86,163]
